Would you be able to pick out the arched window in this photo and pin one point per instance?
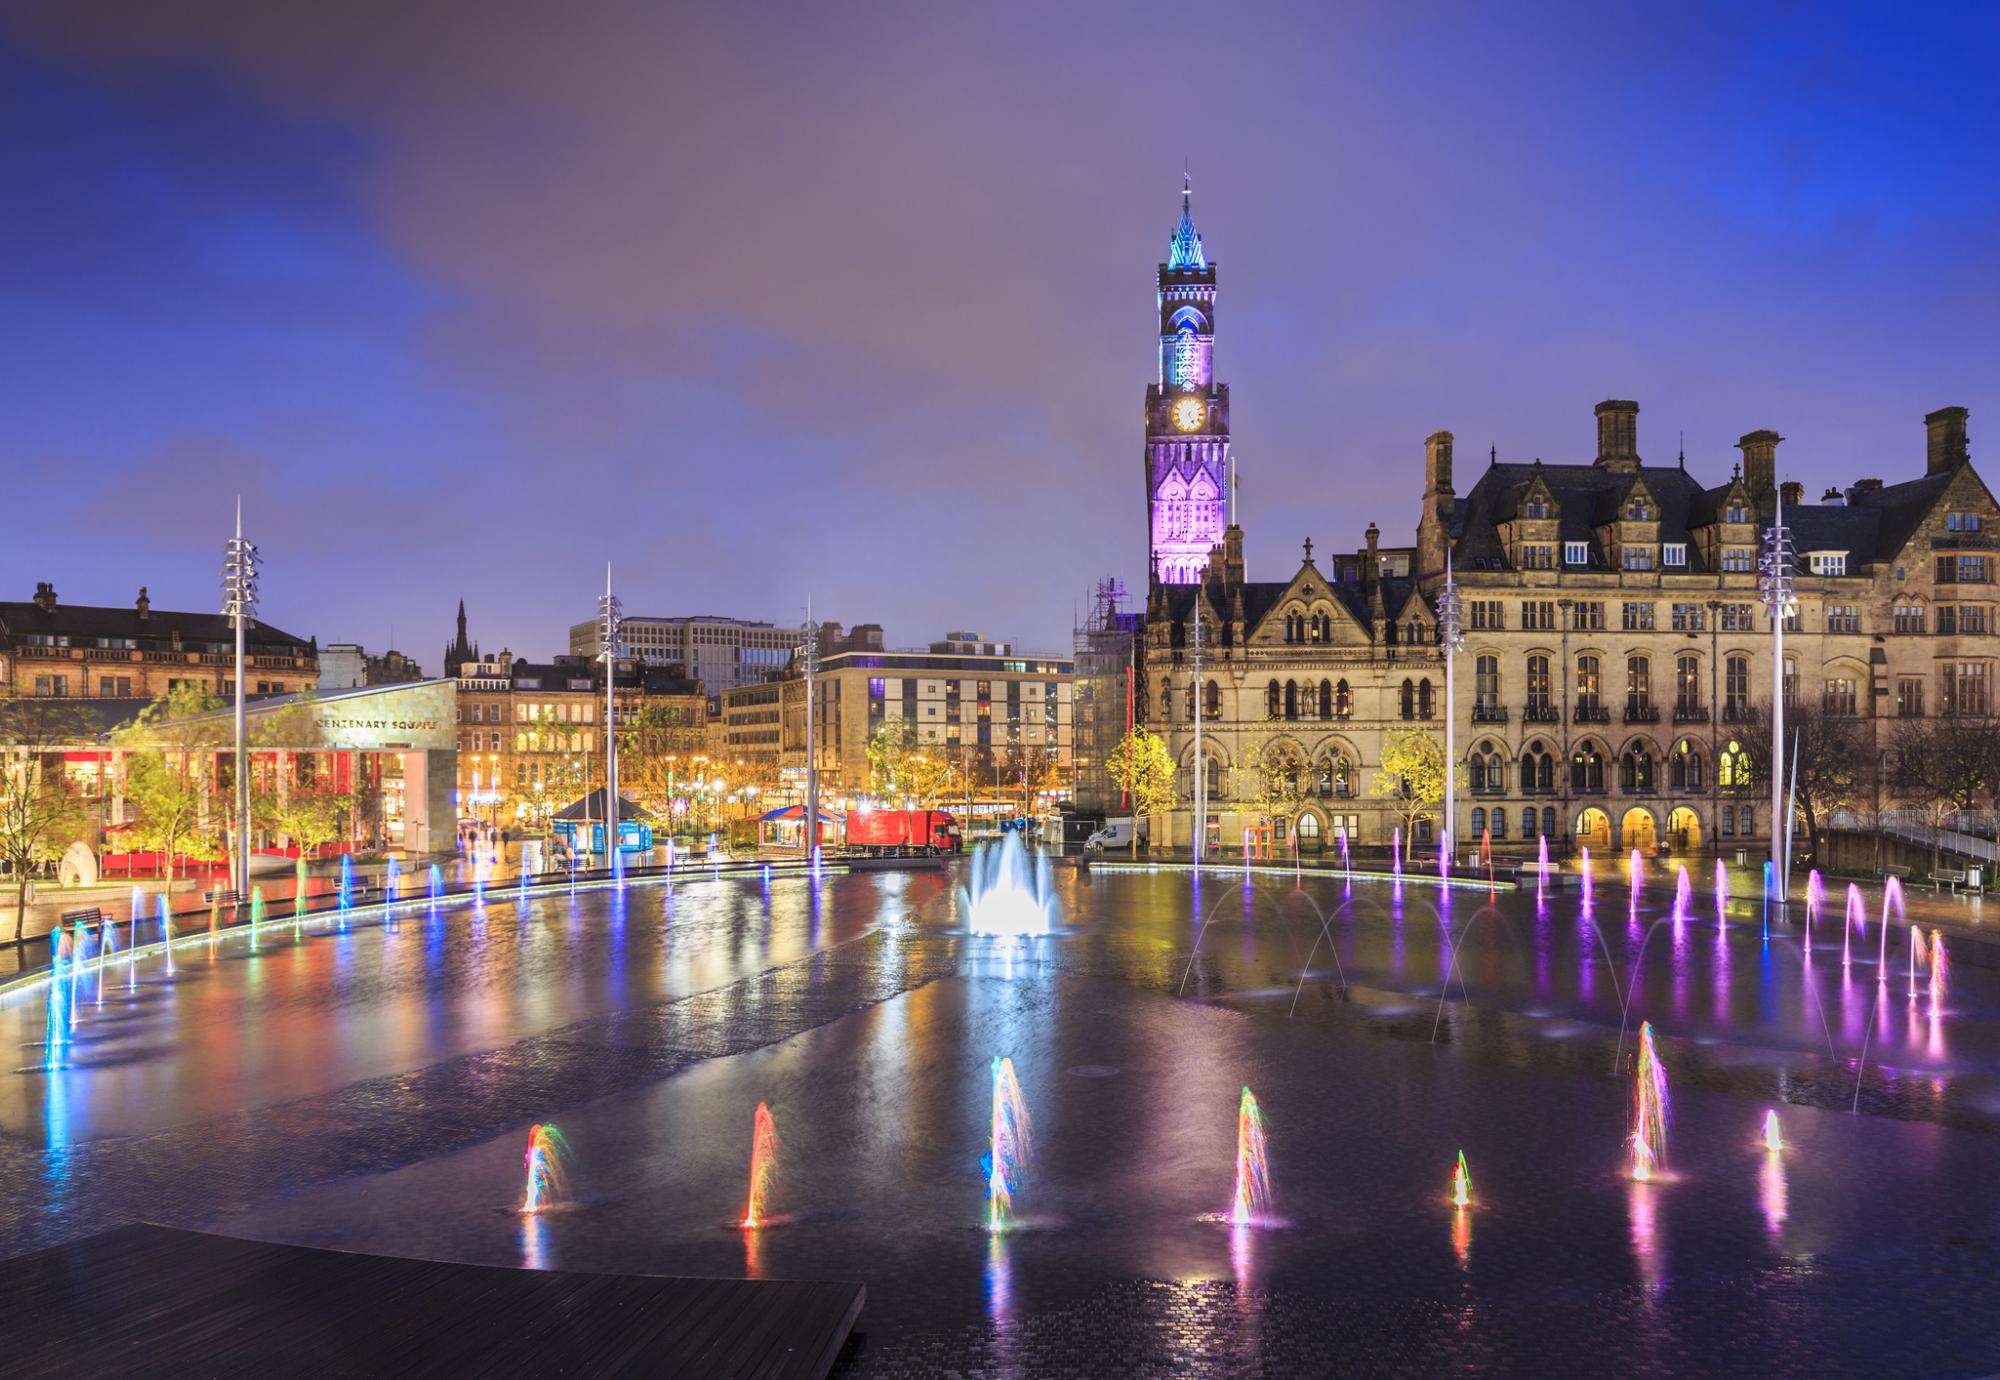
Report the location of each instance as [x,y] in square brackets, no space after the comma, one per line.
[1424,698]
[1166,702]
[1308,828]
[1746,821]
[1589,683]
[1538,768]
[1499,823]
[1732,768]
[1486,769]
[1190,701]
[1409,699]
[1343,700]
[1211,701]
[1736,689]
[1343,778]
[1635,770]
[1326,699]
[1684,767]
[1187,357]
[1291,699]
[1528,822]
[1486,685]
[1586,768]
[1687,686]
[1479,821]
[1638,686]
[1538,686]
[1271,701]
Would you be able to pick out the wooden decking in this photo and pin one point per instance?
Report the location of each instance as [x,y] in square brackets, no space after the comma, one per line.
[150,1300]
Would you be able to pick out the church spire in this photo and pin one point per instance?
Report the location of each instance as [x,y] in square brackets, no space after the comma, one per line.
[1185,251]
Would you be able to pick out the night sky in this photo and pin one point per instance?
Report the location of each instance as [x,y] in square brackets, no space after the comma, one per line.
[856,300]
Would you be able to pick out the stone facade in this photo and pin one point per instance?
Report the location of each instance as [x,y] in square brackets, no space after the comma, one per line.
[1615,647]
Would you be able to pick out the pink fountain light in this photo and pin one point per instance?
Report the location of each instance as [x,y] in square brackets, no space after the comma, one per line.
[1855,919]
[1918,956]
[1721,893]
[1940,971]
[1683,893]
[1773,1140]
[1252,1204]
[1396,850]
[1583,866]
[1892,901]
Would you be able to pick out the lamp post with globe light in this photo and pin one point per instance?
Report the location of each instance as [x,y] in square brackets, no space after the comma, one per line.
[239,601]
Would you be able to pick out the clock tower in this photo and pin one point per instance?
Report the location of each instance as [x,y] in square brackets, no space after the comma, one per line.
[1187,416]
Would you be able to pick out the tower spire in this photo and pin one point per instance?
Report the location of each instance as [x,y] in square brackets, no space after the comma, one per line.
[1185,251]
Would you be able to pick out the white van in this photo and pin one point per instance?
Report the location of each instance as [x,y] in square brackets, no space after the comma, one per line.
[1116,833]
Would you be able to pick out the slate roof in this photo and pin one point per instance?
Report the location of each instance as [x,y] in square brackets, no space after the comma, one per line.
[1261,596]
[82,624]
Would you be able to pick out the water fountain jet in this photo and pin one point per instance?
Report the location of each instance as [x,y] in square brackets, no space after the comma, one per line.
[1650,1109]
[1008,1146]
[547,1160]
[1251,1206]
[1007,892]
[763,1166]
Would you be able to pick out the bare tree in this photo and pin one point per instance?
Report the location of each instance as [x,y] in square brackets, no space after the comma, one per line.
[1832,772]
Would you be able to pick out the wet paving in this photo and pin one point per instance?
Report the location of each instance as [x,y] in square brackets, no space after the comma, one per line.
[372,1090]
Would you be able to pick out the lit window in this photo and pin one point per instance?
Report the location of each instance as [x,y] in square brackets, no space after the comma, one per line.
[1674,553]
[1576,553]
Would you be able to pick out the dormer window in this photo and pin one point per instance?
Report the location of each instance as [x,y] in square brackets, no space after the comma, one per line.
[1638,510]
[1576,553]
[1638,558]
[1674,555]
[1536,509]
[1828,562]
[1736,512]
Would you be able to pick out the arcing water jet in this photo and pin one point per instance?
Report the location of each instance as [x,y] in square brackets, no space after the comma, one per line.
[548,1168]
[1461,1184]
[1649,1109]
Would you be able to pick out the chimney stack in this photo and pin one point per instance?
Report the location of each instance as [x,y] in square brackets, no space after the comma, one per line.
[1434,526]
[45,596]
[1618,434]
[1437,464]
[144,605]
[1794,493]
[1760,463]
[1371,567]
[1945,448]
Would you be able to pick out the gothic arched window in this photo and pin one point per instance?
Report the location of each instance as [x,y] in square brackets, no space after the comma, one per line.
[1409,699]
[1271,699]
[1211,697]
[1586,768]
[1291,699]
[1424,698]
[1326,699]
[1343,700]
[1187,357]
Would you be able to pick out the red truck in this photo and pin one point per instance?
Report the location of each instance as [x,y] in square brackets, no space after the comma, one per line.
[892,833]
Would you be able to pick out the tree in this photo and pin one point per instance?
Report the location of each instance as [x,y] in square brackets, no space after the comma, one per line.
[168,749]
[1032,767]
[1941,767]
[41,811]
[889,753]
[1831,772]
[1143,768]
[1412,775]
[661,754]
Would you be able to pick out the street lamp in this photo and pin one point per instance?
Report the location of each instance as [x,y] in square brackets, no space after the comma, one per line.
[239,601]
[1451,631]
[1780,601]
[610,632]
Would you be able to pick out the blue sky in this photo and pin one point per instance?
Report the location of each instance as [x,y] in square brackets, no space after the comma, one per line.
[763,301]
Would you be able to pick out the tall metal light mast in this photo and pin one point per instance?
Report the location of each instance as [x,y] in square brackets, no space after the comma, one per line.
[1451,632]
[809,654]
[239,602]
[1780,600]
[1200,764]
[611,633]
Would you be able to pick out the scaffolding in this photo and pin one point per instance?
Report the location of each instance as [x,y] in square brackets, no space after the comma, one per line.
[1105,642]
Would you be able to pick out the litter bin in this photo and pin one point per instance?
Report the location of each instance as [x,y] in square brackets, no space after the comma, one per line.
[1975,877]
[1742,858]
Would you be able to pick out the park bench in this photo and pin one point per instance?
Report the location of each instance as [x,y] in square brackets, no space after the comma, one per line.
[1899,872]
[1947,876]
[86,918]
[223,896]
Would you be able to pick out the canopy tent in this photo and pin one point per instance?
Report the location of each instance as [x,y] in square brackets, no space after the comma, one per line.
[798,812]
[592,807]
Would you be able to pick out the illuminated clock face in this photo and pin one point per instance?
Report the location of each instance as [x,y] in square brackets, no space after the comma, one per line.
[1187,414]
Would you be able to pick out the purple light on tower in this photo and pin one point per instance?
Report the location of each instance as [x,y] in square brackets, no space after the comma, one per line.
[1188,469]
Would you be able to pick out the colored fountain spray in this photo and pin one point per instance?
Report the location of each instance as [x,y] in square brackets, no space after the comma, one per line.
[1007,892]
[1918,956]
[1892,904]
[79,959]
[56,1040]
[345,896]
[1396,850]
[547,1160]
[1650,1109]
[1940,971]
[436,885]
[132,940]
[1252,1204]
[1815,905]
[1774,1140]
[1683,893]
[1721,894]
[1461,1184]
[1583,868]
[1346,858]
[167,932]
[106,944]
[521,890]
[763,1166]
[392,881]
[1855,919]
[1008,1146]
